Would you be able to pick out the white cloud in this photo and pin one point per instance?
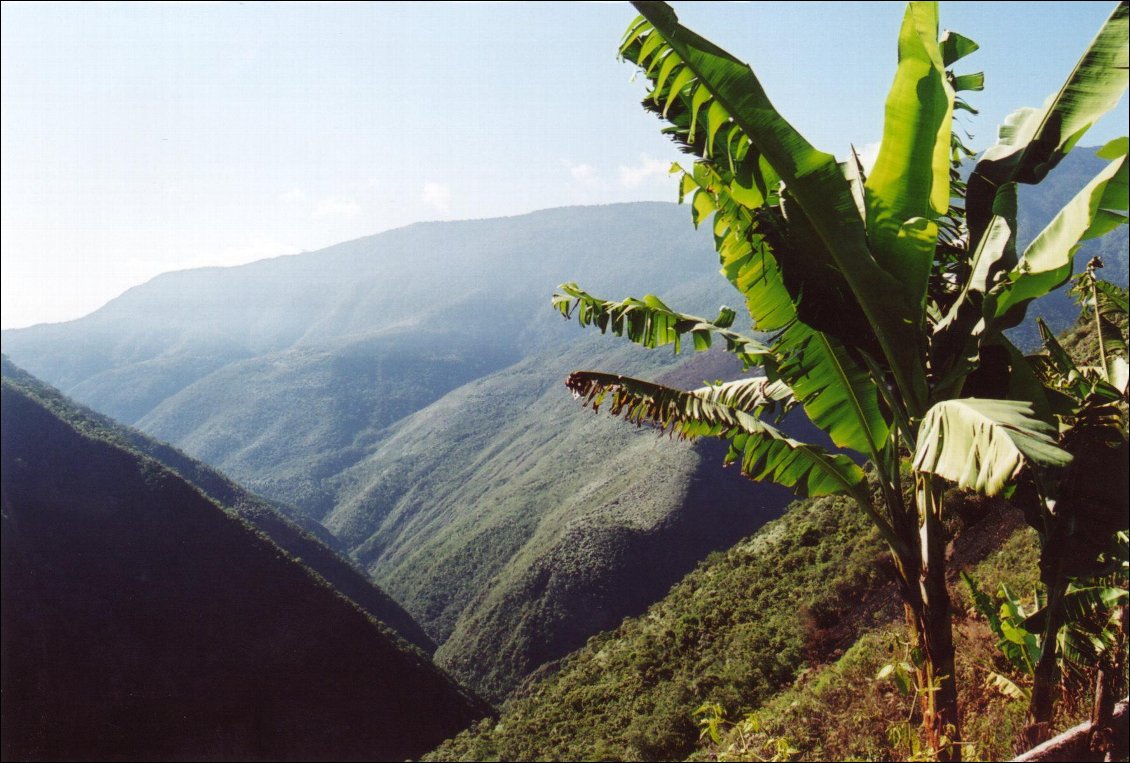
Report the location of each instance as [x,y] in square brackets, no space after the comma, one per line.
[646,170]
[585,174]
[336,206]
[293,195]
[437,195]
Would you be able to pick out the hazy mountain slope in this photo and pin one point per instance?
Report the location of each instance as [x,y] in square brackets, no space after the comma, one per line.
[282,423]
[142,621]
[406,390]
[472,284]
[266,518]
[514,525]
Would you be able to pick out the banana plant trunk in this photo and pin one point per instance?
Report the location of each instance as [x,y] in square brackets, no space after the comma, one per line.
[936,680]
[1041,707]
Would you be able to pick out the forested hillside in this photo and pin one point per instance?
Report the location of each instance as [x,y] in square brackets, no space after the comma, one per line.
[270,519]
[142,621]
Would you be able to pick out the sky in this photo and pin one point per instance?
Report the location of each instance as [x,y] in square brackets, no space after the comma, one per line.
[143,138]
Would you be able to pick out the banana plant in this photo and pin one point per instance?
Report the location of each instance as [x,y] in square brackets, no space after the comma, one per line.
[1074,514]
[1086,634]
[878,298]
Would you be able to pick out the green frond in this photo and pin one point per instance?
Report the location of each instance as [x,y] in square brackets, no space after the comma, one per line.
[827,262]
[650,323]
[1047,262]
[763,452]
[1032,141]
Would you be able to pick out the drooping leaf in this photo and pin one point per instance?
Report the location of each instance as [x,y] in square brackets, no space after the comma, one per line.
[758,396]
[1008,687]
[983,444]
[764,452]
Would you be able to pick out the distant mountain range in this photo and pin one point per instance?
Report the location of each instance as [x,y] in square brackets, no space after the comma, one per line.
[404,390]
[143,621]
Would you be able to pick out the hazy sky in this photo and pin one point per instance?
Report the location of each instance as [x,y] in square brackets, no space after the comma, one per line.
[144,138]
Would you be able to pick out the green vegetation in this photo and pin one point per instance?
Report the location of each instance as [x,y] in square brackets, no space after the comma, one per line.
[479,517]
[268,519]
[887,300]
[143,622]
[791,625]
[735,631]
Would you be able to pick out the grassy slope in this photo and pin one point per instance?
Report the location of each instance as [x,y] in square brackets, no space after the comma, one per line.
[791,624]
[734,631]
[269,519]
[513,525]
[141,621]
[285,422]
[839,711]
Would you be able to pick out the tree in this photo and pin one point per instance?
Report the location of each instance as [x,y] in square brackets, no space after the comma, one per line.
[1076,516]
[880,301]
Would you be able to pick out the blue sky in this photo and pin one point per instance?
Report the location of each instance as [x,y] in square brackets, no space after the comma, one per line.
[144,138]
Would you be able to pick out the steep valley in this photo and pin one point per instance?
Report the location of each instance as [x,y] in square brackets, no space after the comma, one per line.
[404,392]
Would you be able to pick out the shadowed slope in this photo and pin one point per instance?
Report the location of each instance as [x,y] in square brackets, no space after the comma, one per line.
[299,537]
[142,621]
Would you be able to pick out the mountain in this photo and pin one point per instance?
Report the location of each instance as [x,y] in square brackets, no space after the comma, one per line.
[284,372]
[404,390]
[142,621]
[418,497]
[514,525]
[277,522]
